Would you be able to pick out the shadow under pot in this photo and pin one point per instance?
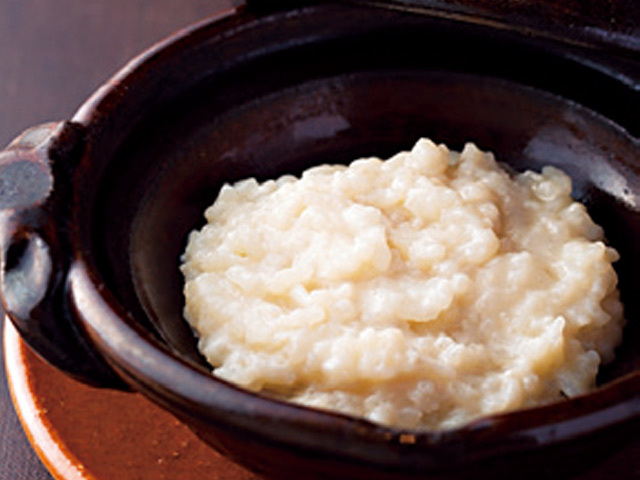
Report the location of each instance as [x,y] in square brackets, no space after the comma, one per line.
[94,227]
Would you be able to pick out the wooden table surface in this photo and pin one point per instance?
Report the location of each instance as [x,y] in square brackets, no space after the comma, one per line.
[53,54]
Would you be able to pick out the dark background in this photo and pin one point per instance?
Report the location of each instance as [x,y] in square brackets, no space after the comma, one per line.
[53,54]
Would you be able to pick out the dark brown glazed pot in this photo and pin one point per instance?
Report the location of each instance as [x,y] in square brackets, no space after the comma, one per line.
[97,209]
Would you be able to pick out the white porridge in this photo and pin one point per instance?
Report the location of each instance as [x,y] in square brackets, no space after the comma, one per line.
[422,291]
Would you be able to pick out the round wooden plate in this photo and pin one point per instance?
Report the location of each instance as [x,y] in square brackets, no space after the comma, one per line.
[84,433]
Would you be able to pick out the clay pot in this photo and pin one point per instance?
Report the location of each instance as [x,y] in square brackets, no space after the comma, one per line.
[97,209]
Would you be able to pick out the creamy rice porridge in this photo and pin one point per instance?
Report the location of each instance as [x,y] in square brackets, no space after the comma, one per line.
[422,291]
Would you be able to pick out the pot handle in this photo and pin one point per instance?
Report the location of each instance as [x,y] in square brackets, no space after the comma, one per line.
[35,256]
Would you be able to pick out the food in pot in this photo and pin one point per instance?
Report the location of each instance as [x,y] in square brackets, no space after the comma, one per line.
[422,291]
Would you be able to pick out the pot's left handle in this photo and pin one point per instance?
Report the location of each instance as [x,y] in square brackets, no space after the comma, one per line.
[35,171]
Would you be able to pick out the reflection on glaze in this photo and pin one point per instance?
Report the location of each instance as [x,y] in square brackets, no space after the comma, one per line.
[558,144]
[322,126]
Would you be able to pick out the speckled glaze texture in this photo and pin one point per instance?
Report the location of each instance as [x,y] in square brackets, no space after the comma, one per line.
[258,92]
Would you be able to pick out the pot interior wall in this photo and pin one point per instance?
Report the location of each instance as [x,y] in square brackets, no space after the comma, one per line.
[353,92]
